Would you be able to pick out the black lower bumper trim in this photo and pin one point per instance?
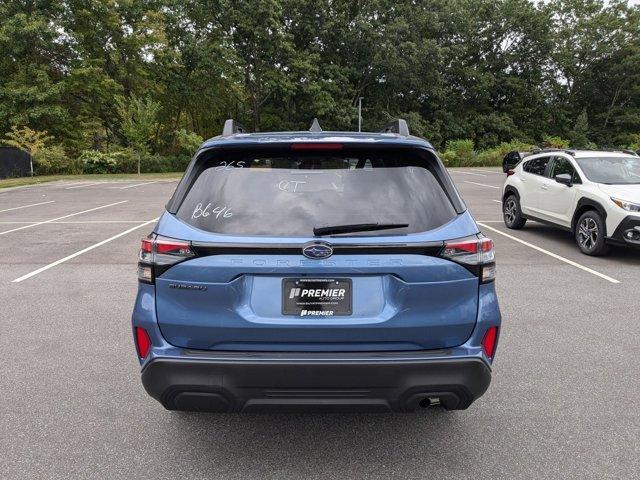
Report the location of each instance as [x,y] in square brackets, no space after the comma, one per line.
[619,237]
[298,384]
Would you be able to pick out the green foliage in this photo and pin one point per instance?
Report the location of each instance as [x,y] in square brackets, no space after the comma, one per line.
[27,139]
[494,156]
[459,153]
[54,160]
[555,142]
[187,142]
[634,142]
[578,135]
[139,121]
[94,161]
[150,78]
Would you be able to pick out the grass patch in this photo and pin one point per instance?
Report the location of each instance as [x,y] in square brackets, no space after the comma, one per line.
[19,182]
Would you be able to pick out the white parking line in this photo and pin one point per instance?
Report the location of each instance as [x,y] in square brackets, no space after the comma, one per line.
[26,206]
[467,173]
[482,184]
[83,185]
[80,252]
[136,185]
[551,254]
[64,216]
[497,201]
[78,222]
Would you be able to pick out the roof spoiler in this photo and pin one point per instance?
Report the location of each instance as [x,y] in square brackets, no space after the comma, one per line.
[398,126]
[231,127]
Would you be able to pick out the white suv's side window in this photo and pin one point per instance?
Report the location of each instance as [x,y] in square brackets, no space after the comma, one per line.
[537,166]
[562,165]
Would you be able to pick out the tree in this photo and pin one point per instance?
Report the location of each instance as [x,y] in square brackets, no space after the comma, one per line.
[139,123]
[579,134]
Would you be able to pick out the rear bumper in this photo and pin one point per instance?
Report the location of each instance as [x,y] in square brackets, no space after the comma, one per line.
[294,382]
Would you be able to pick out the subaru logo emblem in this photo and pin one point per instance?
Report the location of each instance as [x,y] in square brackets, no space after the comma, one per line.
[317,251]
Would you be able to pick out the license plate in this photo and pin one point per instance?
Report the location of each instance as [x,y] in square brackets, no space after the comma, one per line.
[316,297]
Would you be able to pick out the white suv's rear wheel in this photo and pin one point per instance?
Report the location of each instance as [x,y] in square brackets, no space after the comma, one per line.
[512,214]
[590,234]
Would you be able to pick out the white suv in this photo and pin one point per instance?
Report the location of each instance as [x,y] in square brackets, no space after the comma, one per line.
[593,194]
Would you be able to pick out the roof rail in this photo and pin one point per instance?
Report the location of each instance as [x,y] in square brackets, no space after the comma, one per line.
[621,150]
[398,126]
[231,127]
[315,126]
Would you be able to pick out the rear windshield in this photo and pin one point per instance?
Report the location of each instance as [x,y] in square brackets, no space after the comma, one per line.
[289,195]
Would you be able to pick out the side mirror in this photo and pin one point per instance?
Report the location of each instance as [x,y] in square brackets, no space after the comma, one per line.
[564,178]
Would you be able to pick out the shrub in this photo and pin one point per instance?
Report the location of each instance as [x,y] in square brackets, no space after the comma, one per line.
[462,153]
[555,142]
[448,157]
[492,157]
[94,161]
[53,160]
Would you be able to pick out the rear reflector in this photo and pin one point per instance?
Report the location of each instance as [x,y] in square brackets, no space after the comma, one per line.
[316,146]
[143,342]
[489,342]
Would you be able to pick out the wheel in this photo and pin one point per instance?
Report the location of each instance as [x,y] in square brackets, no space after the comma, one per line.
[512,214]
[590,234]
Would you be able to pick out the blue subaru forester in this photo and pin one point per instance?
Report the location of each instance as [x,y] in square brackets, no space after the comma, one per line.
[316,270]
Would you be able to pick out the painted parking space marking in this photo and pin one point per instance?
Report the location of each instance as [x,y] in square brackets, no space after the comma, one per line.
[63,217]
[26,206]
[551,254]
[83,185]
[482,184]
[136,185]
[468,173]
[80,252]
[497,201]
[71,222]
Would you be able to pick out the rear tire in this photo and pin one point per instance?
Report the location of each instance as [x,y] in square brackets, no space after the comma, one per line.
[590,234]
[512,214]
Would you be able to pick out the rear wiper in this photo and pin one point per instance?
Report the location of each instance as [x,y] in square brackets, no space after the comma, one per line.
[356,227]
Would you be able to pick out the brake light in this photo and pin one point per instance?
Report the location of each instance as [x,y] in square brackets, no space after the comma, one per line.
[489,342]
[158,254]
[317,146]
[143,342]
[475,253]
[510,172]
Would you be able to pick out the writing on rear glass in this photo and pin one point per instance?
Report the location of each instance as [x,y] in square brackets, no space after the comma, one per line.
[219,211]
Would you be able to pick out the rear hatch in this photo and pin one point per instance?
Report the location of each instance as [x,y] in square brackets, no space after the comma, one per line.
[315,247]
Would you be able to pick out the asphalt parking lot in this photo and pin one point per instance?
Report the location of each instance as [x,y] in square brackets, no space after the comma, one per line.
[564,402]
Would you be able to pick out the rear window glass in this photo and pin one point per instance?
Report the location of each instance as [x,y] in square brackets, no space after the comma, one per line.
[289,195]
[536,166]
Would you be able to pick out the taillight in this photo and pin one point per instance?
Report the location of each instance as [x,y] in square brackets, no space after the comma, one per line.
[476,254]
[158,254]
[510,172]
[143,342]
[489,342]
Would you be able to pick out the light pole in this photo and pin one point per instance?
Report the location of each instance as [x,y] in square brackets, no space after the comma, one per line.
[360,114]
